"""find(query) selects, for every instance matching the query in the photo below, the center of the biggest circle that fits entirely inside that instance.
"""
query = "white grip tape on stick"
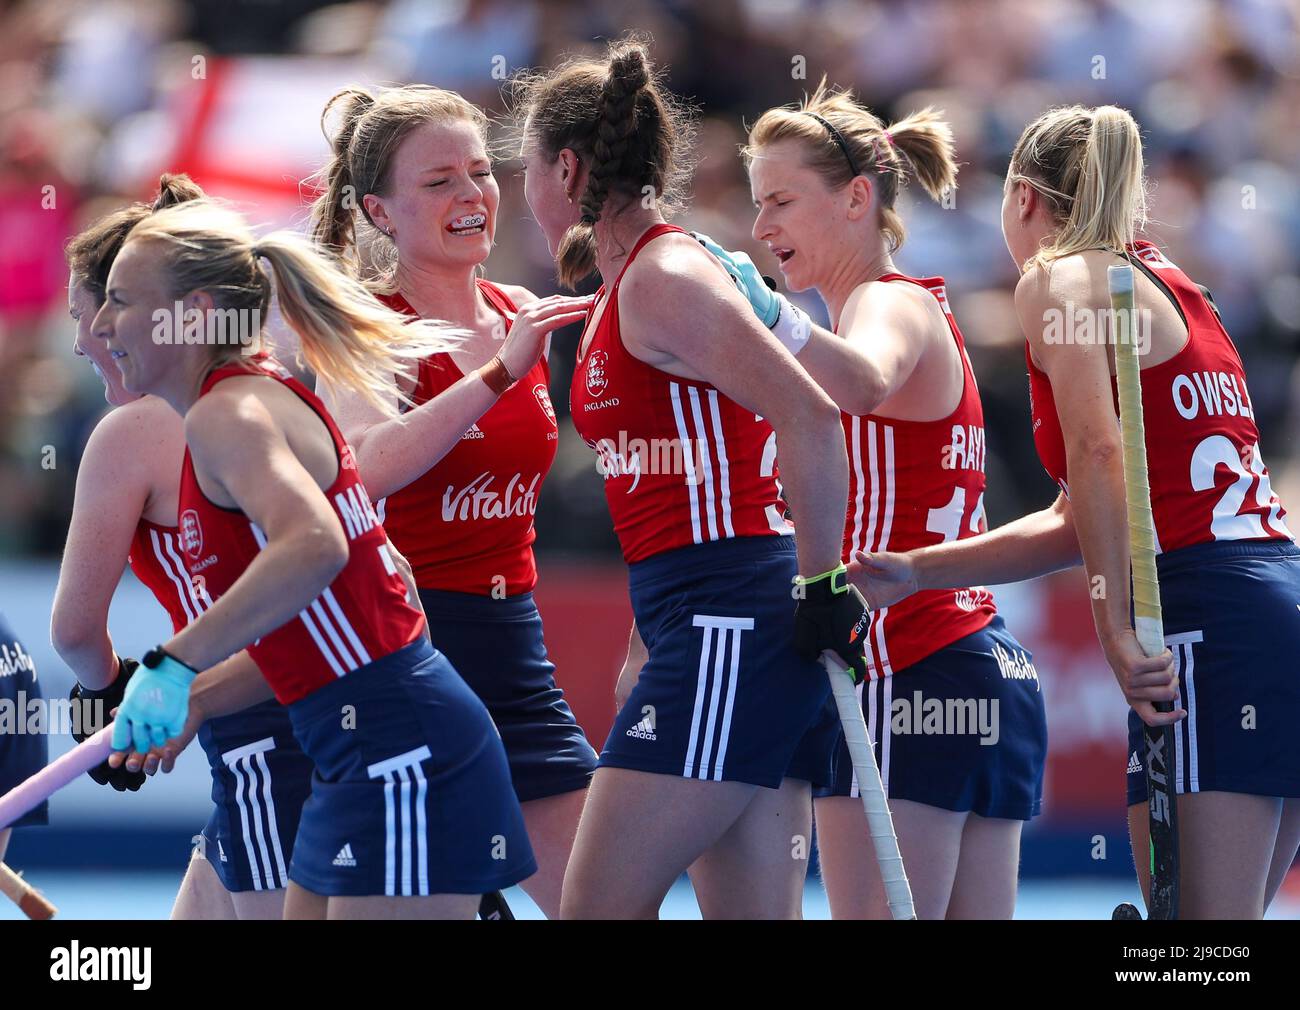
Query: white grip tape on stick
(880, 825)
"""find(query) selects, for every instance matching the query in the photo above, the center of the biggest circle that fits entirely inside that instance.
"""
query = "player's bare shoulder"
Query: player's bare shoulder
(517, 293)
(139, 430)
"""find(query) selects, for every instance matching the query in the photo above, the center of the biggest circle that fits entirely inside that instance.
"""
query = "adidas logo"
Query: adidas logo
(221, 851)
(1134, 765)
(474, 432)
(644, 730)
(345, 857)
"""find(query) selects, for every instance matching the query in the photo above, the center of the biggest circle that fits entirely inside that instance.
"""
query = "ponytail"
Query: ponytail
(348, 338)
(90, 253)
(615, 127)
(333, 212)
(1087, 163)
(631, 132)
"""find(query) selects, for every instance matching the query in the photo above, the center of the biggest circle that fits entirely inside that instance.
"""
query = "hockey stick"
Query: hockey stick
(34, 905)
(880, 824)
(1147, 623)
(494, 906)
(54, 776)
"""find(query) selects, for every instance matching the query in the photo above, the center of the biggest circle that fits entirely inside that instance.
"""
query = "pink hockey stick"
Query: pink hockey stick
(54, 776)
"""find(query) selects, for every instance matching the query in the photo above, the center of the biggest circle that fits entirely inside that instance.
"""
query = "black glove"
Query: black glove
(111, 696)
(831, 616)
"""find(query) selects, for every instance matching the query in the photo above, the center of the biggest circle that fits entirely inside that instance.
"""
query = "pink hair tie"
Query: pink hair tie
(889, 137)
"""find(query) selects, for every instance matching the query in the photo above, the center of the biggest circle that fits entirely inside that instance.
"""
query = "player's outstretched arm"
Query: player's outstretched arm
(1024, 548)
(392, 452)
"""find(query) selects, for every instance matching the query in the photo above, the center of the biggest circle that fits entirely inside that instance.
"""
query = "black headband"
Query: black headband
(839, 140)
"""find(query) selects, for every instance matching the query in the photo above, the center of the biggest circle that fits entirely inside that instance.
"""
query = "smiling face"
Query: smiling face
(83, 307)
(138, 296)
(802, 220)
(442, 199)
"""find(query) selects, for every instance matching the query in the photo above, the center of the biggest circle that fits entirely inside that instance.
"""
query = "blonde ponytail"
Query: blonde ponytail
(348, 338)
(1088, 165)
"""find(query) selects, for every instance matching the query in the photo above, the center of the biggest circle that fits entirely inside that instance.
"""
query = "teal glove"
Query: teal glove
(765, 302)
(155, 705)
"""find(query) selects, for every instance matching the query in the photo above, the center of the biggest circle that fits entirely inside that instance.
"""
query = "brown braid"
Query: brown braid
(629, 131)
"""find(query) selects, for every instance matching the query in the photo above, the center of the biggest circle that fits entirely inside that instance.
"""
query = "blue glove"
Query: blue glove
(765, 302)
(156, 703)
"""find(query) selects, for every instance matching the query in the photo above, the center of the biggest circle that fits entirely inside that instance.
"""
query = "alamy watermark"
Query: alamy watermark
(1084, 325)
(222, 327)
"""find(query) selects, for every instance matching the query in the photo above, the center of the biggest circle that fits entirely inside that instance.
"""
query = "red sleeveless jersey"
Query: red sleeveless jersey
(914, 484)
(466, 524)
(682, 463)
(158, 560)
(1208, 480)
(360, 617)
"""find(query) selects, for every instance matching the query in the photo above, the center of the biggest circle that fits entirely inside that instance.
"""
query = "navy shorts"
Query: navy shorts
(411, 794)
(260, 780)
(723, 695)
(496, 645)
(22, 754)
(1232, 620)
(963, 729)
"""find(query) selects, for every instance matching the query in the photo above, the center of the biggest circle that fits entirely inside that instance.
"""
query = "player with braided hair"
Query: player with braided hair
(710, 757)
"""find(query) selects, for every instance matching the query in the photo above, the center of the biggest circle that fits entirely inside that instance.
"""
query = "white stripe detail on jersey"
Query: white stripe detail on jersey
(888, 474)
(724, 468)
(381, 509)
(729, 634)
(1184, 670)
(875, 487)
(340, 668)
(403, 767)
(342, 650)
(179, 581)
(688, 459)
(855, 454)
(345, 625)
(197, 603)
(706, 461)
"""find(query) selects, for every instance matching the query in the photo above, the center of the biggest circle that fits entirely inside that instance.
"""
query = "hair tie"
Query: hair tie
(839, 141)
(889, 137)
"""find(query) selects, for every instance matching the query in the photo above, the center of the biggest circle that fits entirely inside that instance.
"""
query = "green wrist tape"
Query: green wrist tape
(836, 587)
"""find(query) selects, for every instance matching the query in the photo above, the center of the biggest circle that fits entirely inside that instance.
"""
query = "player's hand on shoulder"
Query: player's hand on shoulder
(533, 323)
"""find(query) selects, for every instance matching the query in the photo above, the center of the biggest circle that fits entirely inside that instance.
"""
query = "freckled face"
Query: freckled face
(442, 203)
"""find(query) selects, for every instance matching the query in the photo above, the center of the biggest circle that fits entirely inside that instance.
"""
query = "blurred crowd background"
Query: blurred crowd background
(96, 98)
